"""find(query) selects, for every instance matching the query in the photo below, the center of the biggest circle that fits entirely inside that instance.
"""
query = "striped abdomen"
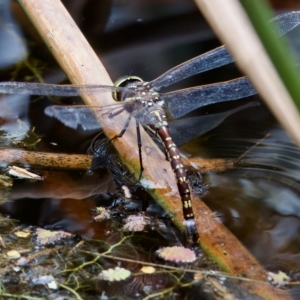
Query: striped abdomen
(162, 129)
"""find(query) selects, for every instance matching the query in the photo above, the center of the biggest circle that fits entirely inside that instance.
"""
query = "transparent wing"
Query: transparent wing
(73, 116)
(286, 22)
(68, 90)
(219, 56)
(181, 102)
(183, 131)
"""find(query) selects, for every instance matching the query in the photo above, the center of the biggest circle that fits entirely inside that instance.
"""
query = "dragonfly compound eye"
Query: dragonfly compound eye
(124, 81)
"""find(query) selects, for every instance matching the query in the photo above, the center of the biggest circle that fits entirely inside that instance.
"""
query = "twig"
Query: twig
(64, 161)
(57, 161)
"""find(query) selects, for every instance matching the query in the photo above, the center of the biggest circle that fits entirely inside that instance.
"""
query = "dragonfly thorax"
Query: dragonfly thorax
(143, 92)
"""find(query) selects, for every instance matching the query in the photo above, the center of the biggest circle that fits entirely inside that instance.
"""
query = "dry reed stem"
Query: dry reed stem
(231, 24)
(82, 66)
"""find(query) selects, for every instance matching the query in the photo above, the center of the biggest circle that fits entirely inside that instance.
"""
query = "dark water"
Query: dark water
(259, 201)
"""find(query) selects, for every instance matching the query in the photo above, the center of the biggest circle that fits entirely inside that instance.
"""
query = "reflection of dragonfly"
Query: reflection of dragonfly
(143, 103)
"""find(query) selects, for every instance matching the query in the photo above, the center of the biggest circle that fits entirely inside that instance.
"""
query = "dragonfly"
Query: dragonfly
(146, 105)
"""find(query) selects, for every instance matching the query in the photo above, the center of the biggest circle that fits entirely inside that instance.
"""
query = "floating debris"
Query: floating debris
(23, 261)
(279, 279)
(148, 269)
(5, 188)
(46, 279)
(177, 254)
(5, 181)
(45, 237)
(116, 274)
(100, 214)
(22, 233)
(126, 190)
(198, 276)
(23, 174)
(2, 242)
(53, 285)
(13, 254)
(16, 269)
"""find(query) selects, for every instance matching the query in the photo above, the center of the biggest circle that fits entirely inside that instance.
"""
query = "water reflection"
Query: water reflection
(62, 201)
(13, 48)
(260, 201)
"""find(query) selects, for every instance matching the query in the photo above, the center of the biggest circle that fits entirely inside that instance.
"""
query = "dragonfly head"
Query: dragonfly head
(125, 81)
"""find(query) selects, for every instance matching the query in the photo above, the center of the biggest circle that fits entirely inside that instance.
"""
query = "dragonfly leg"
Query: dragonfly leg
(123, 130)
(112, 114)
(93, 146)
(139, 141)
